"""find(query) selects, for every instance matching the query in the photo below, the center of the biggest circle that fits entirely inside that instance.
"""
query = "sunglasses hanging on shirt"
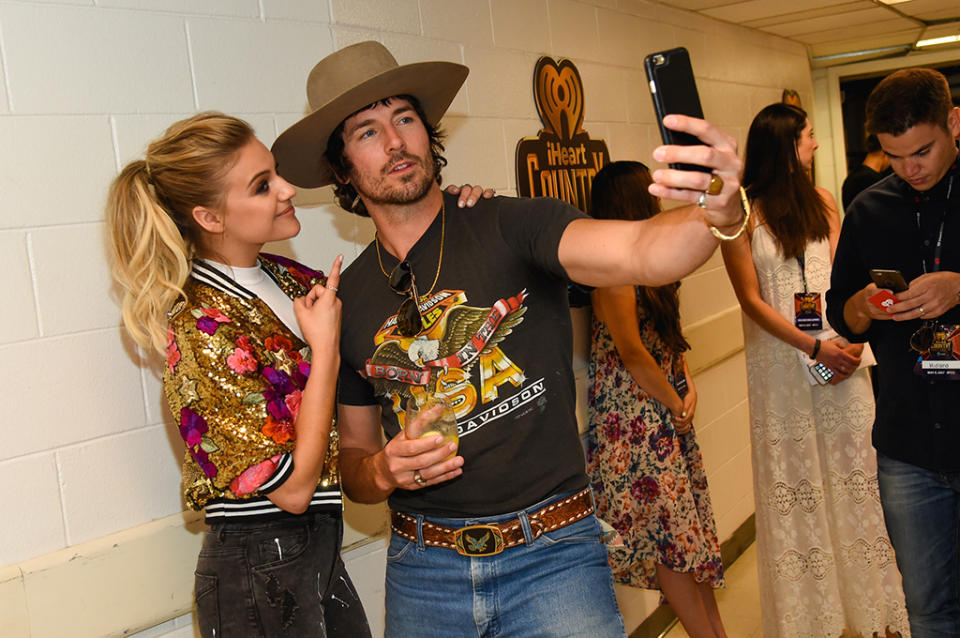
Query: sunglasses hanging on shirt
(402, 282)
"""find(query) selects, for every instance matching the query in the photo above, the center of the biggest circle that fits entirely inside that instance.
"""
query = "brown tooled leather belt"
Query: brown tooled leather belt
(490, 539)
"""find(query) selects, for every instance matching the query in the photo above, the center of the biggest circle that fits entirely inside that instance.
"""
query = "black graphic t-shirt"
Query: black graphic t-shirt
(496, 342)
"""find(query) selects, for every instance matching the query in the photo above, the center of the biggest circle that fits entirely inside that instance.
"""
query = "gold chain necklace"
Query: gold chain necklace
(443, 226)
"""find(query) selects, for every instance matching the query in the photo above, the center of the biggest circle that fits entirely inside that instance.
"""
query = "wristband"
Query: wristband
(816, 349)
(745, 205)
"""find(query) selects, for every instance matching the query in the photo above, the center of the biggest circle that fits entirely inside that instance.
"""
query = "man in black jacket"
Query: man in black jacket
(910, 221)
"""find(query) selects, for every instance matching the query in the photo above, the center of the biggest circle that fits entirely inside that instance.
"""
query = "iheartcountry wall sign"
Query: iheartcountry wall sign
(562, 160)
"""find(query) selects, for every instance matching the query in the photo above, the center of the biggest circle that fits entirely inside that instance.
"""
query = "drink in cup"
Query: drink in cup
(445, 425)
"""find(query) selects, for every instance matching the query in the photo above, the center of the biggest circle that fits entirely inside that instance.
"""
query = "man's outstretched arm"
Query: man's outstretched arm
(672, 244)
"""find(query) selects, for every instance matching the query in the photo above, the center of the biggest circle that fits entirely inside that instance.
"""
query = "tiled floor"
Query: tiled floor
(740, 602)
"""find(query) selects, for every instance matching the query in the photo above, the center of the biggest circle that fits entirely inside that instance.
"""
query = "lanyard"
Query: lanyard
(802, 262)
(939, 245)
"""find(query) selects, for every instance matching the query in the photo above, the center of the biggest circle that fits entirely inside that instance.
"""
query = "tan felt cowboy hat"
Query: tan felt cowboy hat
(346, 81)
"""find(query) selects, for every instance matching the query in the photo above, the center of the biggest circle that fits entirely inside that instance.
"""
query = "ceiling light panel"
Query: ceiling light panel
(741, 12)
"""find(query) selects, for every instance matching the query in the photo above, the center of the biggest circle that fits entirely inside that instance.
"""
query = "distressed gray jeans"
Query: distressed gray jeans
(279, 578)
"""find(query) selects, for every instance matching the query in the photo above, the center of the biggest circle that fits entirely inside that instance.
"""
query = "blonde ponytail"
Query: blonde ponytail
(153, 236)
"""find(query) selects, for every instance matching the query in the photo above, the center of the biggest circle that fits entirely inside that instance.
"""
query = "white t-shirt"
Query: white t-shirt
(262, 285)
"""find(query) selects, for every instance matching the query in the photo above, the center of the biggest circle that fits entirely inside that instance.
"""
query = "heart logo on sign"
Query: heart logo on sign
(558, 92)
(562, 159)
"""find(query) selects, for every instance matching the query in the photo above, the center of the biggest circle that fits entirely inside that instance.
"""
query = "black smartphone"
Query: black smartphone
(674, 90)
(890, 279)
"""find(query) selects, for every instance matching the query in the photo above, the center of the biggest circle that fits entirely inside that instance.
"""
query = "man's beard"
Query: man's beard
(412, 188)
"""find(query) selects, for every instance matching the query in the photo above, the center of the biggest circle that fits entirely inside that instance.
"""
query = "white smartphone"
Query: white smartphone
(821, 373)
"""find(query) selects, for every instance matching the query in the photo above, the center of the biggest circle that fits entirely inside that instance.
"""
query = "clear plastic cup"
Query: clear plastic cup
(445, 425)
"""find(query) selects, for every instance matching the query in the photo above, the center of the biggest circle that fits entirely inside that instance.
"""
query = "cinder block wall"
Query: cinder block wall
(88, 458)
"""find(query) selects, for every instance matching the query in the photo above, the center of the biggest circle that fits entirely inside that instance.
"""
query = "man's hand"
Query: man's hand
(469, 194)
(855, 350)
(928, 296)
(859, 312)
(719, 153)
(402, 459)
(835, 357)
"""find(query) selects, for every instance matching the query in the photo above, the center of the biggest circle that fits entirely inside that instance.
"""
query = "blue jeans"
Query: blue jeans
(559, 585)
(279, 578)
(922, 513)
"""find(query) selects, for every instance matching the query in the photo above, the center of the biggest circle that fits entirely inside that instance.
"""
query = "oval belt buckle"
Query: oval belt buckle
(479, 540)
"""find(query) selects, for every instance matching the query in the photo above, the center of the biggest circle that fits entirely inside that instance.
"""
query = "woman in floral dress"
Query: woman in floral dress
(642, 456)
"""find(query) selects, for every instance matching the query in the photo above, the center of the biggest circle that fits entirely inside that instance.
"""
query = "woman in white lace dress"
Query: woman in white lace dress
(826, 564)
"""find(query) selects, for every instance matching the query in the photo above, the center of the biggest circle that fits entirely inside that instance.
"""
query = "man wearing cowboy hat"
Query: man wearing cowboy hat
(498, 534)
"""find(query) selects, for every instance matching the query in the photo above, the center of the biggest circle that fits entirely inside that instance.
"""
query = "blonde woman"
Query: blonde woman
(250, 342)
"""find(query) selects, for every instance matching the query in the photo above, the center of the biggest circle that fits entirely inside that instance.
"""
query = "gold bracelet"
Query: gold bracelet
(745, 204)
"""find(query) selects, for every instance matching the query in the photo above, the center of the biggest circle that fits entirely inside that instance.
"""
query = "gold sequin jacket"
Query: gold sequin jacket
(233, 378)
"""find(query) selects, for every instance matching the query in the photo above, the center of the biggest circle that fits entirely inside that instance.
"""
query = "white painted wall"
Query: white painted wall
(87, 455)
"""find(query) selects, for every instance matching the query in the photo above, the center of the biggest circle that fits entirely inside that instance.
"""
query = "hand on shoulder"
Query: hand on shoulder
(470, 194)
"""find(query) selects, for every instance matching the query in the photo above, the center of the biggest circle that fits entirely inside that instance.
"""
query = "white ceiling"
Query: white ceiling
(833, 29)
